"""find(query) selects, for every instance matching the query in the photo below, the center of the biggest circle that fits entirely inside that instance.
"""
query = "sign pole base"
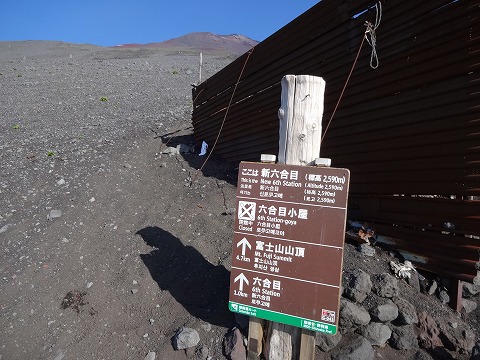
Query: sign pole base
(255, 338)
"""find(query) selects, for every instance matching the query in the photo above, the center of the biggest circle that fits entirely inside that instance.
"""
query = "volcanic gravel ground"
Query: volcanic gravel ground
(80, 131)
(106, 247)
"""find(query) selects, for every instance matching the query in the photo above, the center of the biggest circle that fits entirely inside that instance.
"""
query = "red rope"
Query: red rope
(343, 90)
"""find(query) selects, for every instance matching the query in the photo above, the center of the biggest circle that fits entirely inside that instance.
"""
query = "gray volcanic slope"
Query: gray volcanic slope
(50, 101)
(81, 183)
(107, 248)
(206, 41)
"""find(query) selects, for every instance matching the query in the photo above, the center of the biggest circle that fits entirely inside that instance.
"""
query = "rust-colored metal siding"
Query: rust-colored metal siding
(409, 127)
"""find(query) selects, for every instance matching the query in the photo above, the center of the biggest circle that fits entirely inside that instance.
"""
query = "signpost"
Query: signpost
(288, 244)
(303, 287)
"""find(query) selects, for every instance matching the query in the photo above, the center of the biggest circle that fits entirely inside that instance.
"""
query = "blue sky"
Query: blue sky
(113, 22)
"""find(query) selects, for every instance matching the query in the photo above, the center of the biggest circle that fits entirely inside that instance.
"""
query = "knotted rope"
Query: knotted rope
(371, 37)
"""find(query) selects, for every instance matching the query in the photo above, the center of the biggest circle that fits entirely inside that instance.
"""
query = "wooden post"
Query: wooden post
(200, 69)
(307, 345)
(300, 117)
(256, 325)
(456, 288)
(255, 338)
(282, 341)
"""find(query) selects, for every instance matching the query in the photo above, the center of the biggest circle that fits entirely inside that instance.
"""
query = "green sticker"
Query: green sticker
(283, 318)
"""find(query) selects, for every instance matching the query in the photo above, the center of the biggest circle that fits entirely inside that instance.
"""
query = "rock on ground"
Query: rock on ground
(469, 305)
(357, 348)
(150, 356)
(428, 336)
(352, 316)
(458, 338)
(403, 337)
(407, 313)
(185, 338)
(476, 352)
(327, 342)
(469, 289)
(385, 312)
(358, 285)
(385, 285)
(366, 250)
(233, 345)
(378, 334)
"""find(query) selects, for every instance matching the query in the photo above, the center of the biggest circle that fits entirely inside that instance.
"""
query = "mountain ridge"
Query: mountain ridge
(203, 42)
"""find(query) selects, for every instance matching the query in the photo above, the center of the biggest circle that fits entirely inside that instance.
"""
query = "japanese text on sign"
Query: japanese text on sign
(288, 240)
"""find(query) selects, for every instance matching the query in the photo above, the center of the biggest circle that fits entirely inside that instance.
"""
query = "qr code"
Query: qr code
(328, 315)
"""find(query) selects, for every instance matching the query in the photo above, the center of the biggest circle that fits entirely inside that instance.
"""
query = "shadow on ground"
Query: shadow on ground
(200, 287)
(214, 167)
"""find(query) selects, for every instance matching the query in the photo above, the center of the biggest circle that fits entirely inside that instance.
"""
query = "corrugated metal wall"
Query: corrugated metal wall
(409, 127)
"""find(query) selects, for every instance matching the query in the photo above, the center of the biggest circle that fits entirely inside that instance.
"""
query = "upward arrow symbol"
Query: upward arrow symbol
(244, 244)
(242, 279)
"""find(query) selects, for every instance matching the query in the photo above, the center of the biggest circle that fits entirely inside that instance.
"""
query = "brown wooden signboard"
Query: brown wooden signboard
(288, 244)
